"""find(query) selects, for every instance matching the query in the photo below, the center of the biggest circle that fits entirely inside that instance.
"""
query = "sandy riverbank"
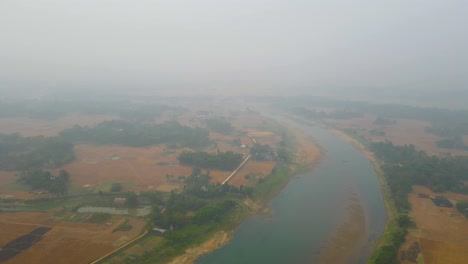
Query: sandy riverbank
(192, 254)
(350, 236)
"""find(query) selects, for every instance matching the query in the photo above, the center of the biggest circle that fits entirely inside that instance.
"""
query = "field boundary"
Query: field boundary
(129, 243)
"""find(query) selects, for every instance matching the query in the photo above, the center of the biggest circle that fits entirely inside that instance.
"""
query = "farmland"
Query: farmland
(442, 233)
(66, 242)
(74, 237)
(404, 131)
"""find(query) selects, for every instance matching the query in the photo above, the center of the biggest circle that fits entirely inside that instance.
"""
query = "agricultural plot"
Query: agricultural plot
(64, 242)
(77, 238)
(442, 232)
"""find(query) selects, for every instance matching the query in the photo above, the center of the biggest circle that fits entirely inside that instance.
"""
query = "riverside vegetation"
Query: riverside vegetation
(203, 208)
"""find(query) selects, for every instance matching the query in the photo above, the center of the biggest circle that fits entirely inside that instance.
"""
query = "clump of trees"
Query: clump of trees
(116, 187)
(383, 121)
(263, 153)
(462, 207)
(194, 205)
(19, 153)
(220, 125)
(44, 180)
(132, 199)
(137, 134)
(404, 166)
(222, 160)
(455, 142)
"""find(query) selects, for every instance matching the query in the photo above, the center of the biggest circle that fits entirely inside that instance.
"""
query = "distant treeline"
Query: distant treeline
(220, 125)
(404, 167)
(455, 142)
(137, 134)
(221, 161)
(20, 153)
(55, 109)
(444, 122)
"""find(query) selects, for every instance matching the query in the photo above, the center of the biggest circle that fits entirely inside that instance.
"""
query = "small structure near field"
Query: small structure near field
(442, 202)
(120, 201)
(159, 230)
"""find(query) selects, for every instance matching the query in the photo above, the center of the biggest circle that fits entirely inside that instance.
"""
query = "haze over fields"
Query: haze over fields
(237, 47)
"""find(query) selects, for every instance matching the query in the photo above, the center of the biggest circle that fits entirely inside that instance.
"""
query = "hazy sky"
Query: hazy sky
(233, 47)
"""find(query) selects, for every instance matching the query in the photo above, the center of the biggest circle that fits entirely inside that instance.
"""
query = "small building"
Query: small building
(120, 201)
(158, 230)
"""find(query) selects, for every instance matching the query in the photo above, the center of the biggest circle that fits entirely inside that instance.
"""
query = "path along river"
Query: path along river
(312, 214)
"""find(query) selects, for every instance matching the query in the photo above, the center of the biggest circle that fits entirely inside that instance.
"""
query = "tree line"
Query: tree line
(404, 166)
(20, 153)
(138, 134)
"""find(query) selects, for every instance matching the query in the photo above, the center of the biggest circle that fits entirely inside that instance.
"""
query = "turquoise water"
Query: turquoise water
(309, 209)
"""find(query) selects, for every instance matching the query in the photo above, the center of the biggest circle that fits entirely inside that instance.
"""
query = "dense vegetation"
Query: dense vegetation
(222, 160)
(455, 142)
(220, 125)
(263, 153)
(44, 180)
(404, 167)
(137, 134)
(397, 230)
(192, 215)
(383, 121)
(51, 110)
(19, 153)
(462, 207)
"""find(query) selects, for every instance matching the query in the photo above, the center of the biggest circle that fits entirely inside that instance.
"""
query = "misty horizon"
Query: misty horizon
(233, 48)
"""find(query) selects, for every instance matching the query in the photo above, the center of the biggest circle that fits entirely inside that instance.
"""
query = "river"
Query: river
(309, 211)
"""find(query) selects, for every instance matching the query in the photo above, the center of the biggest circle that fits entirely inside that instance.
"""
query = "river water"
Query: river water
(310, 209)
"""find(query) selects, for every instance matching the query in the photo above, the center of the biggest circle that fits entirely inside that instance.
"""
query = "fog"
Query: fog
(237, 47)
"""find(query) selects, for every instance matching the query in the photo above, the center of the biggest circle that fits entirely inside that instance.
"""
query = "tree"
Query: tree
(132, 199)
(116, 187)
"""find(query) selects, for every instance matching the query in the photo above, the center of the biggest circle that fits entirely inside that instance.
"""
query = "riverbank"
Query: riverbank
(307, 154)
(192, 254)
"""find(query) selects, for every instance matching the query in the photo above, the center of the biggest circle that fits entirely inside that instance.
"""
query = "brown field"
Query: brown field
(95, 168)
(10, 189)
(259, 168)
(405, 131)
(66, 242)
(139, 168)
(441, 232)
(41, 127)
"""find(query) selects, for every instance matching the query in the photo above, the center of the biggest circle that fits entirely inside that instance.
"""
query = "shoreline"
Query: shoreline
(307, 150)
(222, 237)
